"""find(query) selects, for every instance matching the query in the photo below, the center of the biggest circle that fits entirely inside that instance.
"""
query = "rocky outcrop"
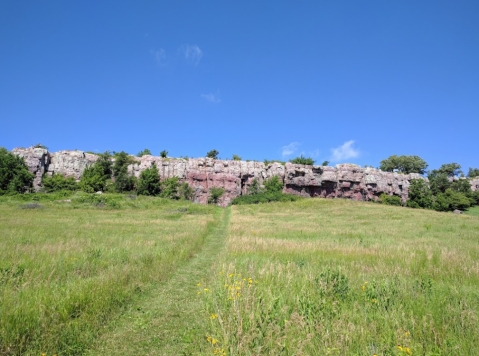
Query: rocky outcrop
(346, 181)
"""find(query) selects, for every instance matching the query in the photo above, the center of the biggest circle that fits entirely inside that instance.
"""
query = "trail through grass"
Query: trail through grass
(169, 320)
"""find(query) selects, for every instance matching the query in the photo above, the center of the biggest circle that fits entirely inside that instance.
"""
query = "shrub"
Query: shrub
(439, 182)
(149, 182)
(59, 182)
(473, 172)
(404, 164)
(255, 187)
(273, 185)
(215, 194)
(145, 152)
(264, 197)
(14, 174)
(95, 176)
(236, 158)
(420, 195)
(185, 191)
(308, 161)
(390, 200)
(163, 154)
(325, 163)
(266, 162)
(169, 188)
(462, 186)
(451, 200)
(213, 154)
(123, 182)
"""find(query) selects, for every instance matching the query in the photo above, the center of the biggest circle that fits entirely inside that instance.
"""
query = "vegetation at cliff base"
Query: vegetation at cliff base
(14, 174)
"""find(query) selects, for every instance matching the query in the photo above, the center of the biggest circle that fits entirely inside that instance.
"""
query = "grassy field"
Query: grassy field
(145, 276)
(335, 277)
(66, 269)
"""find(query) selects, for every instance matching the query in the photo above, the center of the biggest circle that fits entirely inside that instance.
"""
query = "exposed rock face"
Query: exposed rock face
(347, 181)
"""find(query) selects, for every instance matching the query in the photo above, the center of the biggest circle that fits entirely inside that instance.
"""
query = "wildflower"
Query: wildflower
(206, 289)
(400, 348)
(255, 282)
(209, 338)
(226, 286)
(231, 275)
(214, 341)
(407, 350)
(198, 284)
(199, 292)
(364, 288)
(407, 334)
(213, 316)
(374, 301)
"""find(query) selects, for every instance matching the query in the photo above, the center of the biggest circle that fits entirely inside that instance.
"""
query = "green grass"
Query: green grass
(474, 211)
(112, 274)
(335, 277)
(67, 269)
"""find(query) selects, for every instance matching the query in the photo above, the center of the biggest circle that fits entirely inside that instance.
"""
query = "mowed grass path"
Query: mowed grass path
(169, 320)
(336, 277)
(67, 270)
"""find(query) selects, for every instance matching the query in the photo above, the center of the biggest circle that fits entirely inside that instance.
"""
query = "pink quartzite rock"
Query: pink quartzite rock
(347, 181)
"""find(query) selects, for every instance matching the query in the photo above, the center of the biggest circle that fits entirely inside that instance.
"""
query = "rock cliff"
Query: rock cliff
(347, 181)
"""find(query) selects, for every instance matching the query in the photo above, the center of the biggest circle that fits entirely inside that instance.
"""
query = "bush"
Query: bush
(390, 200)
(213, 154)
(185, 191)
(149, 182)
(163, 154)
(236, 158)
(273, 185)
(14, 174)
(255, 187)
(145, 152)
(451, 200)
(59, 182)
(266, 162)
(303, 160)
(420, 195)
(123, 182)
(215, 194)
(95, 176)
(325, 163)
(265, 197)
(169, 188)
(473, 172)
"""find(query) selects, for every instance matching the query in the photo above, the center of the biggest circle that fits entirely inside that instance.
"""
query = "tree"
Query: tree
(451, 200)
(473, 172)
(215, 195)
(213, 154)
(420, 195)
(303, 160)
(145, 152)
(169, 188)
(149, 182)
(450, 169)
(14, 174)
(123, 182)
(236, 158)
(404, 164)
(94, 177)
(325, 163)
(185, 191)
(163, 154)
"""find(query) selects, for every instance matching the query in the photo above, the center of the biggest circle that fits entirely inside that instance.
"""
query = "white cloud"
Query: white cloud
(193, 53)
(214, 98)
(345, 151)
(160, 56)
(288, 150)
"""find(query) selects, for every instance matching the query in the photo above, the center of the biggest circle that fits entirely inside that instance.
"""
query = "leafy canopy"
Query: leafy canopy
(145, 152)
(404, 164)
(308, 161)
(14, 174)
(213, 154)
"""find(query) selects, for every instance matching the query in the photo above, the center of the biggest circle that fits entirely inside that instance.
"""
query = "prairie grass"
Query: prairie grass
(336, 277)
(68, 268)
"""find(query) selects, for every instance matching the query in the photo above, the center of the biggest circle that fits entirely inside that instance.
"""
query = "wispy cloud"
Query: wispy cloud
(192, 53)
(345, 151)
(160, 56)
(214, 98)
(315, 153)
(288, 150)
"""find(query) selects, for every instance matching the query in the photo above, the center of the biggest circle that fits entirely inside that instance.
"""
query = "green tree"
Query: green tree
(149, 182)
(404, 164)
(145, 152)
(273, 184)
(420, 195)
(14, 174)
(95, 176)
(325, 163)
(303, 160)
(123, 182)
(439, 182)
(213, 154)
(59, 182)
(451, 200)
(473, 172)
(215, 194)
(169, 188)
(236, 158)
(163, 154)
(450, 169)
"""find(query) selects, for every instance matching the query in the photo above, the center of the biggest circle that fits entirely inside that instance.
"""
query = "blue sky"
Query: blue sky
(345, 81)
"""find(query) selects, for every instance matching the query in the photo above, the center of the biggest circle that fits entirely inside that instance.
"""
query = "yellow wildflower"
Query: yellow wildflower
(400, 347)
(407, 350)
(364, 288)
(213, 316)
(206, 289)
(198, 284)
